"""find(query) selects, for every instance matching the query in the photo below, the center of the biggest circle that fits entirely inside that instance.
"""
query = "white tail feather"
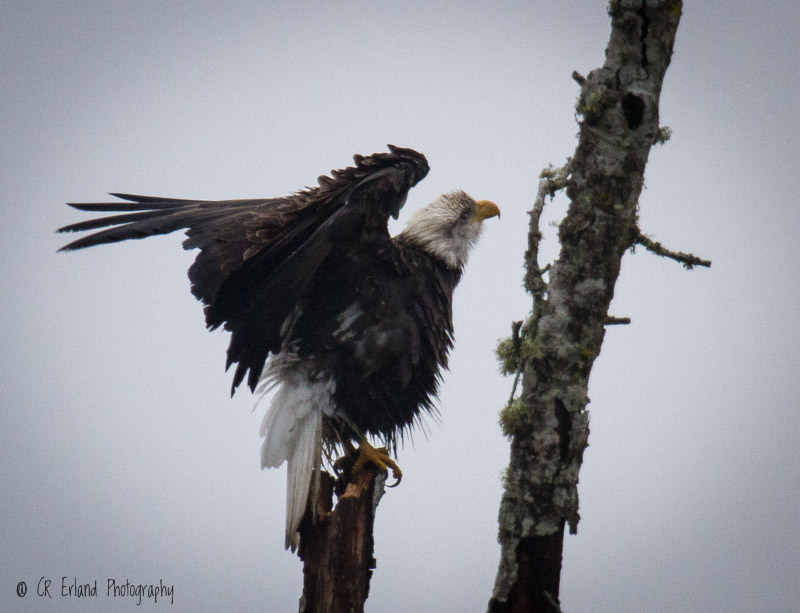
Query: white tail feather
(304, 461)
(292, 431)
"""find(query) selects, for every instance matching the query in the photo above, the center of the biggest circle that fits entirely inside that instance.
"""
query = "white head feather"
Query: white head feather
(449, 226)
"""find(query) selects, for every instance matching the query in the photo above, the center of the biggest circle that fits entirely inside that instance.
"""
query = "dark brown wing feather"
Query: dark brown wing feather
(257, 257)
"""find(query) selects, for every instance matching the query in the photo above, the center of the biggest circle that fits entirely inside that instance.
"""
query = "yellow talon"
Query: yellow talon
(377, 456)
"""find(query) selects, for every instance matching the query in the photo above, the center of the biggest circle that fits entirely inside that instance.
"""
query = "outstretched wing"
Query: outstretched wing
(258, 257)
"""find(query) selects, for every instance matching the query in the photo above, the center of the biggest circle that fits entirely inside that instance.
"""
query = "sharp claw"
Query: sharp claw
(378, 457)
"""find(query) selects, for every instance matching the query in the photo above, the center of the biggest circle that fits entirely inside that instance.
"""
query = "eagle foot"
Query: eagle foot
(355, 460)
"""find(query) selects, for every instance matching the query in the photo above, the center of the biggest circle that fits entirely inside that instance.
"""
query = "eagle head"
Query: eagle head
(449, 226)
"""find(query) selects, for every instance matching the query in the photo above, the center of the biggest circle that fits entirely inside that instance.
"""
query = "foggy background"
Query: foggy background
(123, 455)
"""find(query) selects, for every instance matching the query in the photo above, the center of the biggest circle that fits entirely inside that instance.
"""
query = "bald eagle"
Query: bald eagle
(350, 325)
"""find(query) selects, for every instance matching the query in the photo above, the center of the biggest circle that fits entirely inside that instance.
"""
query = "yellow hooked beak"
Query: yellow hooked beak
(485, 210)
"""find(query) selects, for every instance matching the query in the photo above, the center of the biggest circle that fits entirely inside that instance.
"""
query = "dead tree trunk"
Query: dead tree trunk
(555, 348)
(337, 548)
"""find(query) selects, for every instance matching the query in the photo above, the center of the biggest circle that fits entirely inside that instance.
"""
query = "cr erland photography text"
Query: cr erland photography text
(75, 588)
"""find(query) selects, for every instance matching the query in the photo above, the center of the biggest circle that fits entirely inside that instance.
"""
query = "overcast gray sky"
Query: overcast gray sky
(123, 456)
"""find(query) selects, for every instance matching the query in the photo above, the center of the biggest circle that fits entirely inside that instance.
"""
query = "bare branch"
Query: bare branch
(617, 321)
(688, 260)
(552, 180)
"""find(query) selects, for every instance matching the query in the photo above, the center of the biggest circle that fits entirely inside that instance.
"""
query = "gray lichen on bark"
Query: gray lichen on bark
(548, 424)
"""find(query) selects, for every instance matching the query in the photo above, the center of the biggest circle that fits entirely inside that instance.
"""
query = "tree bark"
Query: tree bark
(548, 424)
(337, 547)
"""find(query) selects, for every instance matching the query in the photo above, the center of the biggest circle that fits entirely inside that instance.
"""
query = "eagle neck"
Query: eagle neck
(443, 267)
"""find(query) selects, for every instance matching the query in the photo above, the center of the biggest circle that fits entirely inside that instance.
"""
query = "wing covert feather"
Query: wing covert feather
(257, 257)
